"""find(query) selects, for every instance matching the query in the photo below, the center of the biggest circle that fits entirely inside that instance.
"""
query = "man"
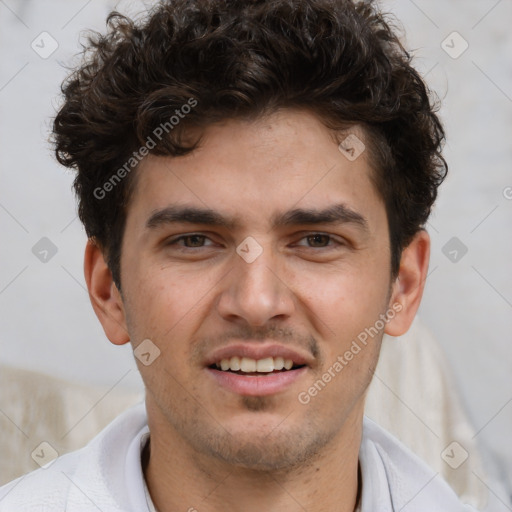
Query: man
(254, 178)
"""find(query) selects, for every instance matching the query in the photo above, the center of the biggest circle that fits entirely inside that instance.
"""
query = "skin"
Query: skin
(213, 449)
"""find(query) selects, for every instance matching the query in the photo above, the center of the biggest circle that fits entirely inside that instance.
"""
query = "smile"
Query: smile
(257, 368)
(247, 365)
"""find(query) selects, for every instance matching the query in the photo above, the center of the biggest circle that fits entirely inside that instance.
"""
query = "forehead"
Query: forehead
(255, 170)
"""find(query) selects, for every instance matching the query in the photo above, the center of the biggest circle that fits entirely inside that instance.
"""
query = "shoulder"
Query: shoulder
(44, 489)
(392, 471)
(84, 480)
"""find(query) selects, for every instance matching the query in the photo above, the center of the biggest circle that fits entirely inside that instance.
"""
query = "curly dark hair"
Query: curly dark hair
(339, 59)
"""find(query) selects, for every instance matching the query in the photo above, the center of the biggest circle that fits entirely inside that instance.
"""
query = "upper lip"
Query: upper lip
(258, 350)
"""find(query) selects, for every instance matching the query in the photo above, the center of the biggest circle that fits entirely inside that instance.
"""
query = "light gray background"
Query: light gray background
(47, 323)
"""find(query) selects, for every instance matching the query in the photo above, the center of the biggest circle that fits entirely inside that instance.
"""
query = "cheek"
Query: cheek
(157, 302)
(346, 314)
(345, 302)
(169, 307)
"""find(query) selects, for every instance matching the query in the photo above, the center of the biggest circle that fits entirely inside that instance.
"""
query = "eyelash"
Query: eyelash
(191, 235)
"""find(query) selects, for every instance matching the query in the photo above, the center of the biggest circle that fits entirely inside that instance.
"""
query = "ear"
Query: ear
(105, 297)
(407, 289)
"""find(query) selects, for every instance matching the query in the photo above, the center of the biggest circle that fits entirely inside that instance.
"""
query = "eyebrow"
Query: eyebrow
(335, 214)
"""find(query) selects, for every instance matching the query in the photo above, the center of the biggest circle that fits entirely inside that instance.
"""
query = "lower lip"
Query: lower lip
(250, 385)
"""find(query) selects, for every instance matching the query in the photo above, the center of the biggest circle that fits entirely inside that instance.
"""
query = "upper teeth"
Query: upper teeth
(246, 364)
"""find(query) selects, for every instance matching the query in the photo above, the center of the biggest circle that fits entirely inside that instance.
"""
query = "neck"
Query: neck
(180, 479)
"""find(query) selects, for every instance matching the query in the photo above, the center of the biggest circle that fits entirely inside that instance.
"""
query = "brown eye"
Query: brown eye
(318, 240)
(192, 241)
(195, 240)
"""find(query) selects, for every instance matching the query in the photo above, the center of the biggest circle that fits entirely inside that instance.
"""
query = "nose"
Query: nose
(255, 291)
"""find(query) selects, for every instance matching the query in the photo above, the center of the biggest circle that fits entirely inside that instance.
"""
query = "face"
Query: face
(265, 246)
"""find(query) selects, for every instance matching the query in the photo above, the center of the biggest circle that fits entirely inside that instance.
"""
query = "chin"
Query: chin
(267, 449)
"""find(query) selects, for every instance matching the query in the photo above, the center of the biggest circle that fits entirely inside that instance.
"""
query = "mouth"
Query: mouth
(251, 370)
(255, 367)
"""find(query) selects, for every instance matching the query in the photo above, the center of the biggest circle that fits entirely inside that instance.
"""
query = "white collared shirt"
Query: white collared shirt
(107, 475)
